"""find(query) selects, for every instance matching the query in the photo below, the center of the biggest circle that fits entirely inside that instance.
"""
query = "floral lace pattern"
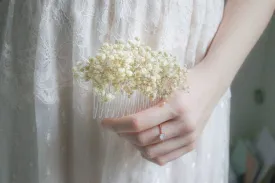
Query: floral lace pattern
(47, 132)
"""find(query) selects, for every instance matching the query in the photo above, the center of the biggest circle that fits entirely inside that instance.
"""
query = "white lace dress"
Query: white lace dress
(48, 133)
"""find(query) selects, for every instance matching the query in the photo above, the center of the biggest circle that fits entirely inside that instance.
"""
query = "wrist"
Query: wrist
(217, 80)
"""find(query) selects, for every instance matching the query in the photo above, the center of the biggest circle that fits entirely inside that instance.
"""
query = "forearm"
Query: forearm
(241, 27)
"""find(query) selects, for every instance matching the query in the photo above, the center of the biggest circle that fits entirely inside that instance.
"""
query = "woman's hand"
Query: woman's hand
(186, 114)
(182, 120)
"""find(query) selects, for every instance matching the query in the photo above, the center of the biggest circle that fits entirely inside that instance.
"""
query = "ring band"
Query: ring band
(161, 134)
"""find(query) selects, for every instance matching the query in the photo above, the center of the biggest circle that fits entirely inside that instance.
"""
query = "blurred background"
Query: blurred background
(257, 73)
(253, 114)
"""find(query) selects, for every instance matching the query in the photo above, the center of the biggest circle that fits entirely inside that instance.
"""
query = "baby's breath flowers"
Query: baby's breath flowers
(123, 68)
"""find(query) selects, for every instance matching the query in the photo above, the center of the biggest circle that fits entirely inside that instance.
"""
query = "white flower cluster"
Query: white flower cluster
(123, 68)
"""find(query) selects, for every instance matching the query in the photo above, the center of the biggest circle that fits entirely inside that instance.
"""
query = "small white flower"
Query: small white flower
(129, 60)
(111, 57)
(121, 70)
(155, 74)
(148, 88)
(123, 75)
(143, 70)
(110, 97)
(129, 73)
(149, 67)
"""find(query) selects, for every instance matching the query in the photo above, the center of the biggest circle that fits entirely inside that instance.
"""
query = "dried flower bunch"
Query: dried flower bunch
(123, 68)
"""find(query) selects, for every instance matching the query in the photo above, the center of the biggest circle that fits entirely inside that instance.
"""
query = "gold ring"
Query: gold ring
(161, 134)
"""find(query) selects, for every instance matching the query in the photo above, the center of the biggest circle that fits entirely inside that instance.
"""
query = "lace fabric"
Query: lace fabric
(48, 129)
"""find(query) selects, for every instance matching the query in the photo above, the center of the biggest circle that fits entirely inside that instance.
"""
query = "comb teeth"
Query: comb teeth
(120, 106)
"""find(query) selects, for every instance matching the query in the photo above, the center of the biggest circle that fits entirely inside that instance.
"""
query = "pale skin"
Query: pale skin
(184, 120)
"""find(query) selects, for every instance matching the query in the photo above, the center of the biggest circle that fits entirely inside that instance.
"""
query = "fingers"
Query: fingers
(162, 160)
(144, 138)
(140, 121)
(125, 124)
(163, 148)
(172, 128)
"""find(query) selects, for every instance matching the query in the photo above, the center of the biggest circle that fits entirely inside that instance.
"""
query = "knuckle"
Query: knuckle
(148, 152)
(159, 161)
(172, 113)
(191, 147)
(140, 140)
(190, 127)
(192, 138)
(135, 124)
(143, 156)
(172, 110)
(181, 110)
(181, 128)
